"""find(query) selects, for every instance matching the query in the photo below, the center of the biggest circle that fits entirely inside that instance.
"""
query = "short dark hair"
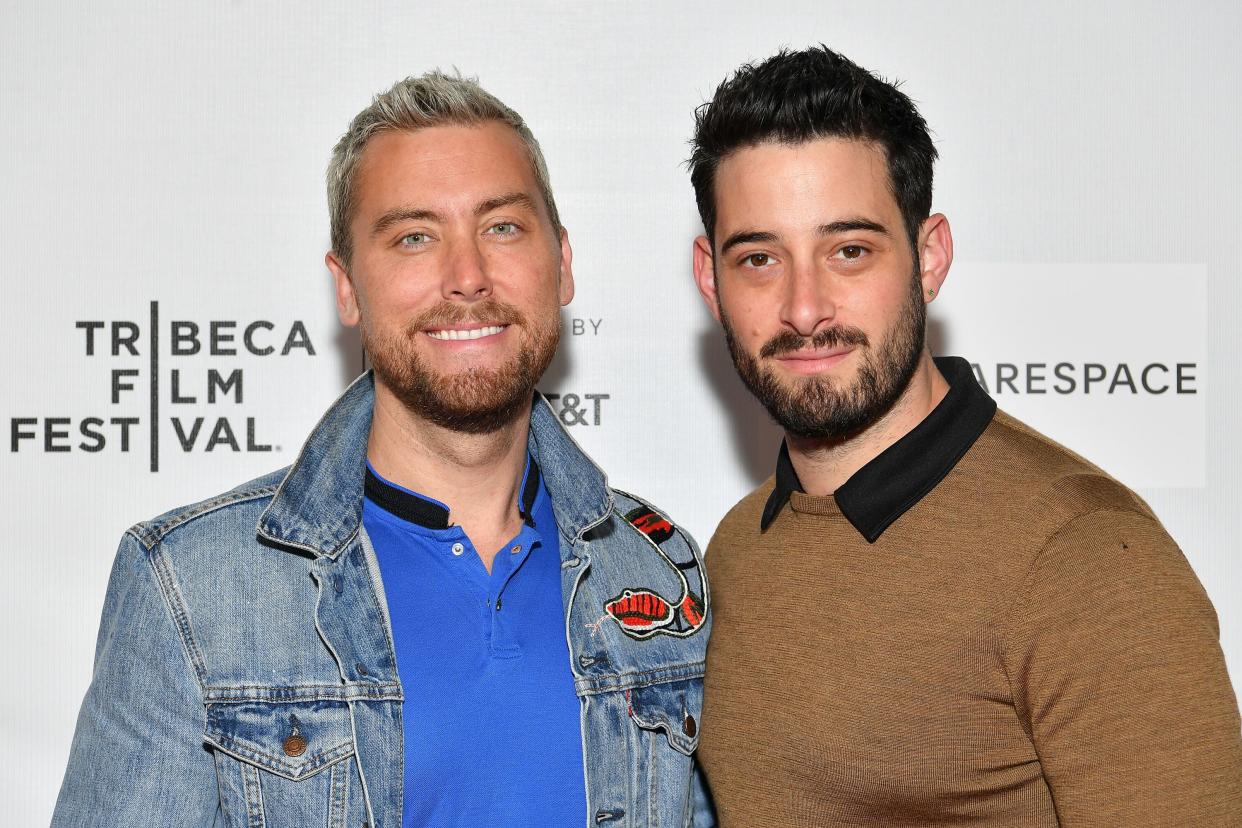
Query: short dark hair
(794, 97)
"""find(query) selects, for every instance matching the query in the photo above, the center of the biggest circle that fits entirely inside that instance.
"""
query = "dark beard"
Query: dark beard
(815, 407)
(470, 402)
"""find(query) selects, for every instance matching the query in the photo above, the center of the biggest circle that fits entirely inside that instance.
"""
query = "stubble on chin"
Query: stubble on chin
(825, 408)
(472, 400)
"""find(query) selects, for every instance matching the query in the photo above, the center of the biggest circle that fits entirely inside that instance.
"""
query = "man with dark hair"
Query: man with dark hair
(931, 614)
(440, 615)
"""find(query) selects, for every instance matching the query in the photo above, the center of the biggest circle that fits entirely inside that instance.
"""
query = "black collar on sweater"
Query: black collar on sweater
(903, 474)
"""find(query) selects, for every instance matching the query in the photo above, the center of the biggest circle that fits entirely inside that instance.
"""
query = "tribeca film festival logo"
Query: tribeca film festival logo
(218, 385)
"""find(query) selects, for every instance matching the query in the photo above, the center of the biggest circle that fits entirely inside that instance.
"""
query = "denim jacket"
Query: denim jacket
(245, 673)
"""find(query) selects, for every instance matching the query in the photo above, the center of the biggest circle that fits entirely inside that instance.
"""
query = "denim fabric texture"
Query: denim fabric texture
(245, 673)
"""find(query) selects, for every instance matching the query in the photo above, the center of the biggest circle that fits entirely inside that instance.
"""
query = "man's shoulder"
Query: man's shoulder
(1046, 476)
(241, 505)
(742, 521)
(647, 518)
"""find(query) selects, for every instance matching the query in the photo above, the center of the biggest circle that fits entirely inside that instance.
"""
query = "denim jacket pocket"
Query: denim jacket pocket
(285, 763)
(667, 718)
(674, 708)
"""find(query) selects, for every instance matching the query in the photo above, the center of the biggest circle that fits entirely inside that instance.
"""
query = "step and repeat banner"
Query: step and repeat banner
(170, 329)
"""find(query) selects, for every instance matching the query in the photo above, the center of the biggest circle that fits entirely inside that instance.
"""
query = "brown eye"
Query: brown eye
(756, 260)
(852, 251)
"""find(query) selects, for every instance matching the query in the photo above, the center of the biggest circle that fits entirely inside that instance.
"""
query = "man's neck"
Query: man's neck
(823, 466)
(476, 475)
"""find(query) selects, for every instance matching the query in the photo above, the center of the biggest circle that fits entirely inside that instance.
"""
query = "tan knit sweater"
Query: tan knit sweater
(1025, 646)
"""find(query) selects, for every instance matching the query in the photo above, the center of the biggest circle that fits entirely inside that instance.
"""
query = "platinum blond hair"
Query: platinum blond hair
(433, 99)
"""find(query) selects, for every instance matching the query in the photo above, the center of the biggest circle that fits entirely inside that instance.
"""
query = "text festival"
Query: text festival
(219, 338)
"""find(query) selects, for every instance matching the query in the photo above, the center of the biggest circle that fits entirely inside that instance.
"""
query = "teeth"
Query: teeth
(475, 333)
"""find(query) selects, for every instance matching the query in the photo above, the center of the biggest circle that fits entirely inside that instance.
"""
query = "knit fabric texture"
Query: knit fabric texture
(1025, 646)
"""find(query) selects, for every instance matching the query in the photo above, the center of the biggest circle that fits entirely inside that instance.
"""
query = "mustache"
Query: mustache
(787, 342)
(486, 311)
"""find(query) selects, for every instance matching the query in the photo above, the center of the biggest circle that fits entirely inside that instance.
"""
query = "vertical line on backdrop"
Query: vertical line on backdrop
(155, 386)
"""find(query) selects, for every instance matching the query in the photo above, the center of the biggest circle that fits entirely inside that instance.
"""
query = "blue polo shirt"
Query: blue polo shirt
(492, 725)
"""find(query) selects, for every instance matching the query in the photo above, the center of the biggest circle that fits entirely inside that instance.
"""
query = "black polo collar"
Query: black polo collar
(431, 513)
(903, 474)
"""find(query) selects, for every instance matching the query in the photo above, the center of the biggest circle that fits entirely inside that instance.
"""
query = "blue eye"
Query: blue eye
(411, 239)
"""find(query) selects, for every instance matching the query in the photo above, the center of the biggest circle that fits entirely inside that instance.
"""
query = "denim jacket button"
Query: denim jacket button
(690, 726)
(294, 746)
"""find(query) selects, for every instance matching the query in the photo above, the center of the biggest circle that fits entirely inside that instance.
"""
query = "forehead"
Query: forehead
(808, 183)
(442, 167)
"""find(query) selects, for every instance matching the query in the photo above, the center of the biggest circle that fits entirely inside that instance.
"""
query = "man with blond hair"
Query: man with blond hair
(440, 614)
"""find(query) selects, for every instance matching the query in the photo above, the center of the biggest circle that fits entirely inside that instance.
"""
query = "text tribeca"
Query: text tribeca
(186, 338)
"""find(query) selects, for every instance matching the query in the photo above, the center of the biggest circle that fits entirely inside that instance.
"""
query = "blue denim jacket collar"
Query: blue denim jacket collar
(578, 487)
(318, 507)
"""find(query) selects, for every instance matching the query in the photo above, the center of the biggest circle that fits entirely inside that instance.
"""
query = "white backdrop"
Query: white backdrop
(164, 164)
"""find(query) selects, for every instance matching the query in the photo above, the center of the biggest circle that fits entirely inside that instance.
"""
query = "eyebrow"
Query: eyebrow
(850, 225)
(399, 214)
(747, 237)
(843, 226)
(514, 199)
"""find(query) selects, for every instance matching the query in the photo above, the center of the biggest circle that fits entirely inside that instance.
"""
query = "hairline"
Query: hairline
(714, 167)
(351, 173)
(435, 98)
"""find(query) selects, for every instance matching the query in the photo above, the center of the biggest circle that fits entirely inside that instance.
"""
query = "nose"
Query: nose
(466, 275)
(808, 303)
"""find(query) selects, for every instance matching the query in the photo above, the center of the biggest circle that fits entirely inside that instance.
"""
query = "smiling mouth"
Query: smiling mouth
(462, 334)
(811, 355)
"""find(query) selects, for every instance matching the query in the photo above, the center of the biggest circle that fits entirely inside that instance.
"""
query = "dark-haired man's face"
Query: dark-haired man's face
(815, 283)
